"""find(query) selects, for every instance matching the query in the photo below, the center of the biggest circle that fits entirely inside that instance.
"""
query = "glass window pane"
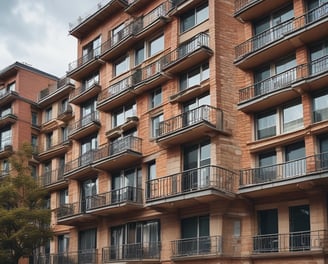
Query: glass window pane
(156, 45)
(292, 117)
(266, 125)
(188, 21)
(202, 14)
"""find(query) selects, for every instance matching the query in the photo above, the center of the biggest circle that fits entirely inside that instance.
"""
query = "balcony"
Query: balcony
(135, 5)
(145, 252)
(130, 122)
(84, 65)
(118, 153)
(290, 243)
(49, 125)
(85, 126)
(105, 9)
(284, 176)
(81, 166)
(73, 214)
(203, 184)
(251, 9)
(116, 201)
(197, 248)
(190, 125)
(53, 179)
(54, 148)
(82, 94)
(65, 114)
(180, 6)
(190, 92)
(149, 76)
(86, 256)
(6, 97)
(6, 148)
(7, 118)
(116, 95)
(188, 54)
(282, 38)
(53, 93)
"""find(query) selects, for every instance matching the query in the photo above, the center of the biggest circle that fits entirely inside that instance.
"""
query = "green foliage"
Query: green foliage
(24, 220)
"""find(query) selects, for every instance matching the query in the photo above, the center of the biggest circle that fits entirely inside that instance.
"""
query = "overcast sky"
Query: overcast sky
(36, 32)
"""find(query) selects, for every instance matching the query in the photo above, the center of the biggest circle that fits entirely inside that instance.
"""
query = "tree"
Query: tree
(24, 218)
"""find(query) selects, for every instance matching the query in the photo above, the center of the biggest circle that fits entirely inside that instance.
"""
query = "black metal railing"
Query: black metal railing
(68, 210)
(85, 59)
(204, 113)
(52, 144)
(127, 194)
(197, 246)
(60, 85)
(147, 72)
(207, 177)
(127, 143)
(289, 242)
(51, 177)
(290, 169)
(115, 89)
(82, 161)
(135, 251)
(279, 31)
(185, 49)
(85, 256)
(243, 4)
(83, 89)
(84, 121)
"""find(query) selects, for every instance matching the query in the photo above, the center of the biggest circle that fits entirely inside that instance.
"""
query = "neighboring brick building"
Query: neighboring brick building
(190, 131)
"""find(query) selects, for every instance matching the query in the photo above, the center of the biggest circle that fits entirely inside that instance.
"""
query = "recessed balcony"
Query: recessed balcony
(80, 167)
(7, 118)
(53, 93)
(204, 184)
(191, 125)
(7, 97)
(283, 38)
(118, 153)
(294, 243)
(116, 201)
(116, 95)
(54, 148)
(188, 54)
(6, 149)
(85, 126)
(149, 76)
(85, 65)
(146, 252)
(82, 94)
(251, 9)
(196, 248)
(284, 177)
(73, 214)
(53, 179)
(101, 12)
(87, 256)
(287, 85)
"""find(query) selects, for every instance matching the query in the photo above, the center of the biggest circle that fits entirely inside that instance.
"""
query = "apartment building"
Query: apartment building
(190, 131)
(19, 112)
(282, 83)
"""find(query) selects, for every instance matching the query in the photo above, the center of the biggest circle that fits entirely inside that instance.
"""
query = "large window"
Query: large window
(91, 50)
(136, 240)
(317, 9)
(88, 189)
(155, 121)
(320, 106)
(299, 227)
(87, 246)
(48, 114)
(192, 113)
(267, 170)
(5, 137)
(266, 124)
(319, 56)
(88, 112)
(292, 117)
(139, 55)
(120, 115)
(194, 17)
(156, 45)
(267, 239)
(194, 76)
(151, 175)
(121, 65)
(274, 76)
(156, 97)
(63, 244)
(295, 160)
(90, 81)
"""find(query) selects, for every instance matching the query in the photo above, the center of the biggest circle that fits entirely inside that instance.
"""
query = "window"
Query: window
(87, 245)
(63, 247)
(89, 112)
(122, 65)
(267, 239)
(317, 9)
(90, 81)
(88, 189)
(61, 166)
(194, 76)
(4, 166)
(34, 116)
(135, 240)
(319, 57)
(125, 184)
(156, 97)
(275, 76)
(63, 197)
(155, 121)
(156, 45)
(117, 34)
(34, 143)
(91, 50)
(290, 116)
(64, 133)
(5, 137)
(139, 55)
(194, 17)
(121, 114)
(151, 175)
(87, 145)
(322, 158)
(299, 228)
(195, 232)
(196, 110)
(5, 111)
(48, 114)
(49, 140)
(11, 87)
(34, 171)
(63, 105)
(196, 161)
(267, 170)
(295, 160)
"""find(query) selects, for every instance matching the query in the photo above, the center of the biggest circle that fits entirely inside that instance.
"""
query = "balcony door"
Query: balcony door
(196, 171)
(267, 238)
(267, 170)
(192, 113)
(195, 233)
(295, 160)
(317, 9)
(319, 56)
(88, 189)
(87, 145)
(87, 246)
(299, 227)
